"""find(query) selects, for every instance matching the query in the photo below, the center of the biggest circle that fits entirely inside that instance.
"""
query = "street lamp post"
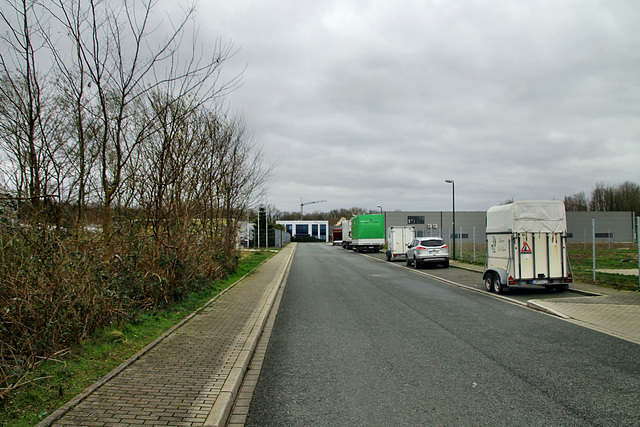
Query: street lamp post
(453, 197)
(380, 209)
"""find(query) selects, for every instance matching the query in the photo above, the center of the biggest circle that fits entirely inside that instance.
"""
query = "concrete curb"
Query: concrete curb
(540, 307)
(223, 405)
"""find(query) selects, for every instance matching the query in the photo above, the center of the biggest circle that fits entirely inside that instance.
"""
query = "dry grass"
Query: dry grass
(57, 291)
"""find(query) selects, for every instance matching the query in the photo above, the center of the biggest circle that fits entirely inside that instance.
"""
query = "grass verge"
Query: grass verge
(59, 379)
(606, 259)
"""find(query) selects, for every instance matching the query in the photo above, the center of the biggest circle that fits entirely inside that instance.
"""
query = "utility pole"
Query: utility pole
(307, 203)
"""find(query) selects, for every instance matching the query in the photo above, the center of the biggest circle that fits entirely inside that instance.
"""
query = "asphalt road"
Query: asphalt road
(361, 342)
(473, 279)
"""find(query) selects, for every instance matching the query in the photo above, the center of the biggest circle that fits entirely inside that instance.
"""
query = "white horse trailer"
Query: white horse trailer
(527, 246)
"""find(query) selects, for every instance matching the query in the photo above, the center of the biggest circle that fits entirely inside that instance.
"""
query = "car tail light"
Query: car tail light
(421, 248)
(444, 247)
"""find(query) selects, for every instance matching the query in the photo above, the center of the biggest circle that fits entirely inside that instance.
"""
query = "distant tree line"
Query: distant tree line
(622, 197)
(607, 198)
(326, 216)
(123, 178)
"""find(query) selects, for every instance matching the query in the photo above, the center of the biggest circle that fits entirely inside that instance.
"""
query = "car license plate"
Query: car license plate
(539, 282)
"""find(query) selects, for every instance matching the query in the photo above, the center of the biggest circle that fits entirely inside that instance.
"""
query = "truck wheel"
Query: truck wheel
(497, 285)
(488, 282)
(415, 263)
(388, 256)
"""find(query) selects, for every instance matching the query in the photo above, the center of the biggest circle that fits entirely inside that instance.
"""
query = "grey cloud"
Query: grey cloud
(377, 103)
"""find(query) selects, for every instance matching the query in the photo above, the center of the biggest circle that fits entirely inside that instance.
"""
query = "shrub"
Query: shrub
(57, 290)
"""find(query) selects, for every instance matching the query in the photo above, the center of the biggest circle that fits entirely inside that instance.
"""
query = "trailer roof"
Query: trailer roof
(545, 216)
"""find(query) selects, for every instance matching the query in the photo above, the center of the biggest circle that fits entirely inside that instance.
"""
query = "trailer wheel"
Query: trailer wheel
(497, 285)
(488, 282)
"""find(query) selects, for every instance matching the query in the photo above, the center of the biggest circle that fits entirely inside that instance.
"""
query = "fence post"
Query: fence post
(593, 239)
(474, 242)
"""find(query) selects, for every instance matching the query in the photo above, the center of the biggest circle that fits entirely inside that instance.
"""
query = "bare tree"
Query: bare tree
(234, 174)
(124, 59)
(81, 128)
(576, 202)
(624, 197)
(165, 167)
(245, 177)
(628, 197)
(23, 105)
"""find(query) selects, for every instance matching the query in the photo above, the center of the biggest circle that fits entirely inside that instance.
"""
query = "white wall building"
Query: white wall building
(318, 229)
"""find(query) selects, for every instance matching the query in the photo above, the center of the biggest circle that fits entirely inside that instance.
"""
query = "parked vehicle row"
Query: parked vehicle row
(526, 245)
(366, 233)
(403, 243)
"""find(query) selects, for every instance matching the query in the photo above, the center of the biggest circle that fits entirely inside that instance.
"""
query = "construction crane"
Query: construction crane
(307, 203)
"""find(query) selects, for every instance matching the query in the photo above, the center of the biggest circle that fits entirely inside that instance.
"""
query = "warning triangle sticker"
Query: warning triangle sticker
(525, 248)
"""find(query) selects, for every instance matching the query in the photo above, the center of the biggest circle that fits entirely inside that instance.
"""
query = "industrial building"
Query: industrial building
(610, 227)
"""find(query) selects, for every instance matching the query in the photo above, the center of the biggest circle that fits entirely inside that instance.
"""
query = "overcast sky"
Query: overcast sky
(366, 103)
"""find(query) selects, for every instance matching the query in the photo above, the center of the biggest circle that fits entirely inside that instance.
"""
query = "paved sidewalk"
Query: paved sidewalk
(606, 310)
(189, 376)
(613, 312)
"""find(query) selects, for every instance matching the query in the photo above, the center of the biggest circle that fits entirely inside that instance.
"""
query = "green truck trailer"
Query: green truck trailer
(367, 233)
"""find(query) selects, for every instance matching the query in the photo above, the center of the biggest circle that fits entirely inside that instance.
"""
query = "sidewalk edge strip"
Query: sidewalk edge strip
(224, 403)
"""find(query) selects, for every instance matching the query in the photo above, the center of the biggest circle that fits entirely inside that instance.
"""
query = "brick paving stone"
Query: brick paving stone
(177, 381)
(616, 312)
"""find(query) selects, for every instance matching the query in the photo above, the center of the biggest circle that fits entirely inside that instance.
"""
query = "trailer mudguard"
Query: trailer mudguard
(504, 276)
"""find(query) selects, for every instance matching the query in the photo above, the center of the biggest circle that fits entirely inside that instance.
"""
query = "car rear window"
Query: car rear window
(433, 242)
